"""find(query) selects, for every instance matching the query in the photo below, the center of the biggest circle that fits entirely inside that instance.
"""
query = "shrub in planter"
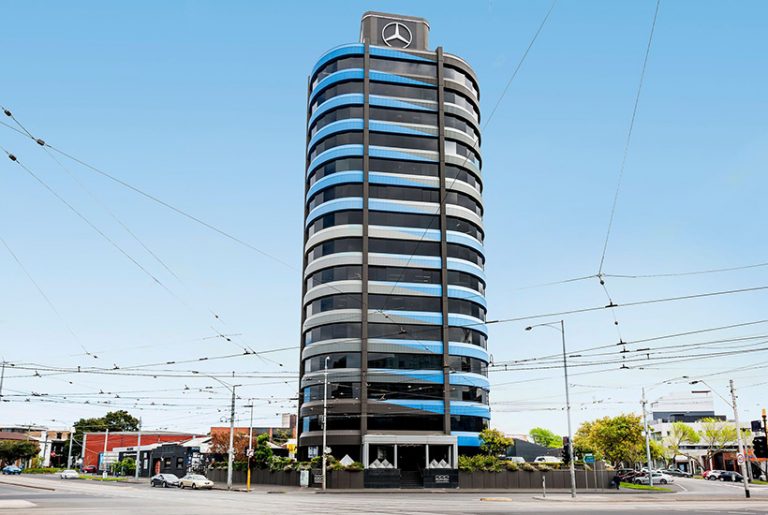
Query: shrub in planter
(543, 468)
(511, 466)
(278, 463)
(480, 463)
(356, 466)
(527, 467)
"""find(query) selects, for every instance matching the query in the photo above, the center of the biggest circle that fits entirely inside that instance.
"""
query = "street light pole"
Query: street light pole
(325, 416)
(572, 465)
(137, 471)
(230, 461)
(69, 452)
(250, 448)
(745, 479)
(647, 442)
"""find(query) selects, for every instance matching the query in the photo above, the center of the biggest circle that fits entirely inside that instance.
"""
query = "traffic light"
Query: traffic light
(565, 454)
(760, 446)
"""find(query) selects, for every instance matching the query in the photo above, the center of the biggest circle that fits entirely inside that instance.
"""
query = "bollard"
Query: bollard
(544, 485)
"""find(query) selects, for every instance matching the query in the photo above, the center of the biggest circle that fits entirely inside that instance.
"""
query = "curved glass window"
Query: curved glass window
(469, 393)
(336, 140)
(383, 139)
(460, 100)
(344, 63)
(404, 193)
(466, 335)
(460, 149)
(405, 331)
(463, 200)
(420, 422)
(354, 190)
(342, 88)
(461, 77)
(350, 330)
(465, 307)
(337, 360)
(342, 113)
(467, 364)
(465, 253)
(399, 390)
(467, 423)
(336, 422)
(403, 67)
(404, 167)
(401, 90)
(403, 303)
(334, 247)
(334, 219)
(339, 273)
(391, 219)
(459, 123)
(454, 172)
(456, 278)
(463, 226)
(338, 165)
(402, 116)
(332, 302)
(403, 275)
(335, 391)
(405, 361)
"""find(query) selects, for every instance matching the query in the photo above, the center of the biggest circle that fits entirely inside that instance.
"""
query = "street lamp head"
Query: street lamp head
(529, 328)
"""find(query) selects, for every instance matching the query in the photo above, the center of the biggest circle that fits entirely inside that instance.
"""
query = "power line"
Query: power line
(629, 137)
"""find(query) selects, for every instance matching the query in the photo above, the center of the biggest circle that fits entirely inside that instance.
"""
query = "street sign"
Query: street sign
(740, 459)
(589, 458)
(250, 453)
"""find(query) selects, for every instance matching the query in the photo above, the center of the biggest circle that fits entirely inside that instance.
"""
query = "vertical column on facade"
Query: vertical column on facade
(303, 316)
(443, 242)
(364, 268)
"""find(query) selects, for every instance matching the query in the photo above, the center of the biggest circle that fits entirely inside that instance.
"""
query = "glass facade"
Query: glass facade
(394, 287)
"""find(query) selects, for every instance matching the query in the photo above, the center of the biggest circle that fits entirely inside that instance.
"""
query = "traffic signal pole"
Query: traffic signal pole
(745, 477)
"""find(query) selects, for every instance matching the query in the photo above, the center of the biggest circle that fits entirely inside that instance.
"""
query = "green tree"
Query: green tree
(262, 453)
(546, 437)
(494, 442)
(12, 450)
(615, 439)
(119, 420)
(680, 435)
(716, 435)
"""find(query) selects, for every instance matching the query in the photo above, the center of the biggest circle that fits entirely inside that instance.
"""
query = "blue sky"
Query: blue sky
(203, 105)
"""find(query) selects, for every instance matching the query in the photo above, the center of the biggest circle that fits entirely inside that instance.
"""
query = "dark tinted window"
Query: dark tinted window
(404, 193)
(401, 116)
(461, 100)
(403, 303)
(335, 422)
(466, 335)
(405, 331)
(354, 190)
(405, 391)
(401, 90)
(405, 361)
(404, 422)
(342, 88)
(342, 113)
(334, 219)
(339, 273)
(465, 307)
(463, 226)
(332, 302)
(461, 124)
(467, 280)
(337, 360)
(466, 423)
(454, 172)
(335, 246)
(335, 391)
(380, 139)
(403, 67)
(332, 332)
(339, 64)
(404, 167)
(404, 275)
(390, 219)
(336, 140)
(460, 149)
(466, 364)
(337, 165)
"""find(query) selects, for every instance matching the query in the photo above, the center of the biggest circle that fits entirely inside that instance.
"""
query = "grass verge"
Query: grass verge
(632, 486)
(99, 478)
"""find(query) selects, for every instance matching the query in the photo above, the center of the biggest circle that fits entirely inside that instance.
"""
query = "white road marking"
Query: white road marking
(16, 504)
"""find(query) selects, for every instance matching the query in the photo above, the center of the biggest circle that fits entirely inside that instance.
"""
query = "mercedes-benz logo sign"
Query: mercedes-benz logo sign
(396, 35)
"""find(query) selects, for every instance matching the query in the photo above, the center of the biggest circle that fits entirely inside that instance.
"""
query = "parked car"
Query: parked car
(89, 469)
(11, 469)
(676, 472)
(730, 476)
(514, 459)
(547, 459)
(195, 481)
(659, 478)
(712, 475)
(164, 480)
(69, 474)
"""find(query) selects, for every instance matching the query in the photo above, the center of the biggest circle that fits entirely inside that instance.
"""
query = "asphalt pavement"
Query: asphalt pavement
(50, 495)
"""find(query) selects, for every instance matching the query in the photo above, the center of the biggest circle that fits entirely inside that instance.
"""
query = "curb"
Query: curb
(29, 486)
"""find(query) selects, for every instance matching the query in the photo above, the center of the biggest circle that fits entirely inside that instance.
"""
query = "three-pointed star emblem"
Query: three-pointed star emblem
(397, 35)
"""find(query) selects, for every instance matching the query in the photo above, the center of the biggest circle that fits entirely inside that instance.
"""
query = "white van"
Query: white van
(547, 459)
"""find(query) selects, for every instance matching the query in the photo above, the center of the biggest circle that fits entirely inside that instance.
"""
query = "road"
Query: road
(39, 495)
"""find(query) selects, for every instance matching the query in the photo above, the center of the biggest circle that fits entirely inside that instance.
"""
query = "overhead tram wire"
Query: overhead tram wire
(629, 138)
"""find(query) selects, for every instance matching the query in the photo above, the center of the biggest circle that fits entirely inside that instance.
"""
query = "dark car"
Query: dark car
(89, 469)
(734, 477)
(164, 480)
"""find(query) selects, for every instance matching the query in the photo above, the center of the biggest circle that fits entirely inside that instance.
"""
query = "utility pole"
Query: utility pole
(231, 440)
(745, 479)
(325, 416)
(647, 442)
(104, 454)
(137, 472)
(250, 448)
(69, 452)
(765, 433)
(2, 377)
(572, 465)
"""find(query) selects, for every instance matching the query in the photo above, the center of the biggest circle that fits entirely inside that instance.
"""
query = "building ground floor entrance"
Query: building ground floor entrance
(410, 461)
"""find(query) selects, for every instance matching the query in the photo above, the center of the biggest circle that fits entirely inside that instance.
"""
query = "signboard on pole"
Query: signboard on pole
(589, 458)
(740, 458)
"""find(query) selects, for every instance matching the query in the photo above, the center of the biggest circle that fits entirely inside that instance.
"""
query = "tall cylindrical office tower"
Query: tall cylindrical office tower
(393, 295)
